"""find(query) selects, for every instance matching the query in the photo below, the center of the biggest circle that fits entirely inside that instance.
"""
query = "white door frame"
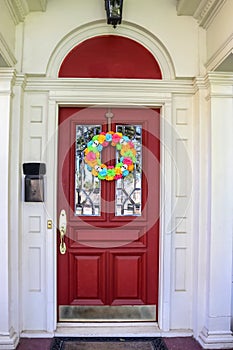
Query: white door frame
(166, 205)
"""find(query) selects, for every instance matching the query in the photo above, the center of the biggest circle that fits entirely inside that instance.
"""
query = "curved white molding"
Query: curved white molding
(126, 29)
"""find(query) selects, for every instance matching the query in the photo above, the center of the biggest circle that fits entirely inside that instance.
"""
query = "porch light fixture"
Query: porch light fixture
(114, 11)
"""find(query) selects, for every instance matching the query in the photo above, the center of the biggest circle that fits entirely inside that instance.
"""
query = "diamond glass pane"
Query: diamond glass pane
(128, 190)
(87, 186)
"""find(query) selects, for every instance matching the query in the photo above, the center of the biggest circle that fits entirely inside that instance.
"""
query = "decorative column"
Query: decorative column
(8, 337)
(216, 332)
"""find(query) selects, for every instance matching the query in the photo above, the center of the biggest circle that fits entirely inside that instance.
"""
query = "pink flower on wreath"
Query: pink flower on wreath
(91, 156)
(127, 161)
(116, 138)
(118, 176)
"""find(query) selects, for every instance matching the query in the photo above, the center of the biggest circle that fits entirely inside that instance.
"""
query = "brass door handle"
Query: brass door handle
(62, 230)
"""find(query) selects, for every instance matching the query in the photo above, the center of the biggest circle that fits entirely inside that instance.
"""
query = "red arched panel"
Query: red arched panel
(110, 56)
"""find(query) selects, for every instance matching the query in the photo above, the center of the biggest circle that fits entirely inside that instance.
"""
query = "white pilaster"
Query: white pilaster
(8, 337)
(216, 332)
(201, 203)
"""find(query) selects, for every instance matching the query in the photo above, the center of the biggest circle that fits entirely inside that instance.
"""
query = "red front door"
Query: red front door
(112, 227)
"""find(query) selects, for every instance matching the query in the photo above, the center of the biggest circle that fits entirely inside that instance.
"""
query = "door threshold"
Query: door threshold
(146, 329)
(106, 329)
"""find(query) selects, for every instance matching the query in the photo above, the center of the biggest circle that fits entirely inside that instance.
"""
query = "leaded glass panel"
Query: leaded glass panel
(87, 186)
(128, 189)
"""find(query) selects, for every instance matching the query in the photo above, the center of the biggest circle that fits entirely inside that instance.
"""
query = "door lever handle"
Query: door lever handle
(62, 230)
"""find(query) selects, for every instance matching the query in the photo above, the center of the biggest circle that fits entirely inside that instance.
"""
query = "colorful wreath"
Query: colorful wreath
(122, 144)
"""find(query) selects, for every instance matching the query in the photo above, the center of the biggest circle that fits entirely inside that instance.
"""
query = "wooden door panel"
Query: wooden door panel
(128, 283)
(112, 237)
(87, 278)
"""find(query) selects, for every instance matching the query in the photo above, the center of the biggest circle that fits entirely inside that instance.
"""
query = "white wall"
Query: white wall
(44, 31)
(194, 138)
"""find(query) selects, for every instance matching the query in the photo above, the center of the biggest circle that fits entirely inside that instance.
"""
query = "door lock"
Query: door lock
(62, 229)
(49, 224)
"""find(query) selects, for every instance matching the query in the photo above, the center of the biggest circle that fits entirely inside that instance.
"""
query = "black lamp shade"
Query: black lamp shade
(114, 11)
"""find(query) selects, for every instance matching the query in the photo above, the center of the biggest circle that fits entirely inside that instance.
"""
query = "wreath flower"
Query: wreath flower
(125, 147)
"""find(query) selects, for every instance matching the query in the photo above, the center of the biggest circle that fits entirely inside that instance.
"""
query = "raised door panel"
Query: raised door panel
(87, 278)
(127, 281)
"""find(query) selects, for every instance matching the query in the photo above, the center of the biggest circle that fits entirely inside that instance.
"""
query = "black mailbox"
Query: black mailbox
(34, 181)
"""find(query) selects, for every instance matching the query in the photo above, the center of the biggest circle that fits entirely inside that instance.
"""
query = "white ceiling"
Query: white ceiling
(226, 65)
(187, 7)
(37, 5)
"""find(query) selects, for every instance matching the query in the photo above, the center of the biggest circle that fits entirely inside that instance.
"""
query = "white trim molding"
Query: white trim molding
(207, 11)
(204, 11)
(19, 9)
